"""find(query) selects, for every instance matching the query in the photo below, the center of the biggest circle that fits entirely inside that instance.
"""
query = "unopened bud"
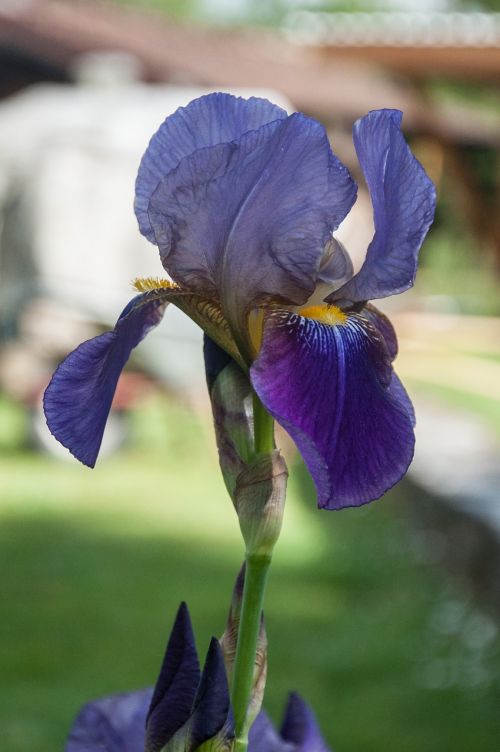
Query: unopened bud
(259, 498)
(231, 397)
(228, 644)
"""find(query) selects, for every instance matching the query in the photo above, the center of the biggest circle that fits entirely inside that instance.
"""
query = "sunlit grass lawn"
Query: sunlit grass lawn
(94, 564)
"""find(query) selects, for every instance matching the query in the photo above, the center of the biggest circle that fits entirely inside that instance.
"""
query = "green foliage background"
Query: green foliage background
(95, 563)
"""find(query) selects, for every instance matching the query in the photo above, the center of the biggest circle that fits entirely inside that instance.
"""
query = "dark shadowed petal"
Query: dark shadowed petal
(211, 710)
(212, 119)
(78, 399)
(384, 326)
(336, 265)
(216, 359)
(113, 724)
(386, 329)
(263, 737)
(403, 199)
(249, 219)
(301, 728)
(331, 388)
(176, 685)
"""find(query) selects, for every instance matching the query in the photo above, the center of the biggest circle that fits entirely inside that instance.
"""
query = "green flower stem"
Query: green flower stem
(257, 566)
(251, 609)
(263, 428)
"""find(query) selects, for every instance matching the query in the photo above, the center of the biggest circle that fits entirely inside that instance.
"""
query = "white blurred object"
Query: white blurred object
(68, 162)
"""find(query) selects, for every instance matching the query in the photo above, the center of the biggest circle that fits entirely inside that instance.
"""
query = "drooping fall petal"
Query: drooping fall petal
(331, 387)
(78, 399)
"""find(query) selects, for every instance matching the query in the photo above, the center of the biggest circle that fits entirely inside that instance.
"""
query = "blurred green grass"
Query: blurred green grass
(361, 619)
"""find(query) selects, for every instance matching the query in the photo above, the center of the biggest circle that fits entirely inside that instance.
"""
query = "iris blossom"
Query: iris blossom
(242, 201)
(187, 709)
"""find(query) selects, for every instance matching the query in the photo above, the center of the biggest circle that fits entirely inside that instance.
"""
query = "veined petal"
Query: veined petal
(301, 728)
(403, 199)
(401, 395)
(386, 329)
(176, 686)
(114, 724)
(248, 220)
(330, 386)
(209, 120)
(78, 399)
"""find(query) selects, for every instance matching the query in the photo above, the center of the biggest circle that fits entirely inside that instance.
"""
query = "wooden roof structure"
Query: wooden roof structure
(42, 39)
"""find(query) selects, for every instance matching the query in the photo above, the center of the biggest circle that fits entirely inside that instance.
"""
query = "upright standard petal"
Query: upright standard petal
(330, 386)
(247, 221)
(209, 120)
(78, 399)
(403, 199)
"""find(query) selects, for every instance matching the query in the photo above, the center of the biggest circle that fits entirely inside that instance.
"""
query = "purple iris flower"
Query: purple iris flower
(242, 201)
(186, 709)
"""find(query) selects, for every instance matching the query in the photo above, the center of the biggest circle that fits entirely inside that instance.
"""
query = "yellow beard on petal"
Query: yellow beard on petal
(146, 284)
(327, 314)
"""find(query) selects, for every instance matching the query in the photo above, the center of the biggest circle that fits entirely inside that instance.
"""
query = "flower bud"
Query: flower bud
(231, 397)
(259, 498)
(228, 644)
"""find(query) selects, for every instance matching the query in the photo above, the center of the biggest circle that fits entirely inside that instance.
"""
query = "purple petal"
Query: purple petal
(176, 685)
(331, 388)
(78, 399)
(207, 121)
(301, 728)
(212, 709)
(403, 199)
(264, 738)
(114, 724)
(336, 265)
(384, 326)
(401, 395)
(248, 220)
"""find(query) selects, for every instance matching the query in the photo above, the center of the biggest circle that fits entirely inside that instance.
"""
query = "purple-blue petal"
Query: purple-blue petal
(113, 724)
(176, 686)
(209, 120)
(403, 199)
(301, 728)
(78, 399)
(249, 219)
(331, 388)
(264, 738)
(401, 395)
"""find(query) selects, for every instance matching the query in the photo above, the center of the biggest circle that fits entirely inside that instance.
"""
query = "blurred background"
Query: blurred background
(384, 618)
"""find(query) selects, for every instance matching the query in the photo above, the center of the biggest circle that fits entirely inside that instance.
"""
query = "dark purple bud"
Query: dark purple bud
(211, 712)
(176, 686)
